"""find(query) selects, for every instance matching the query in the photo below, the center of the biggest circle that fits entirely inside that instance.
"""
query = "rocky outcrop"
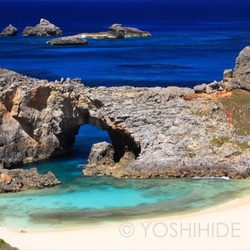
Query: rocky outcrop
(116, 31)
(44, 28)
(227, 75)
(101, 154)
(241, 74)
(68, 40)
(155, 132)
(210, 88)
(198, 89)
(9, 31)
(18, 180)
(215, 87)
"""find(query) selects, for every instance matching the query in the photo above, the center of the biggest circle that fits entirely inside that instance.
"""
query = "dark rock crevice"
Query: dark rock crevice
(122, 143)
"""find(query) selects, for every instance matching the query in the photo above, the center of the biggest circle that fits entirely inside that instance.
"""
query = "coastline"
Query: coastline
(222, 227)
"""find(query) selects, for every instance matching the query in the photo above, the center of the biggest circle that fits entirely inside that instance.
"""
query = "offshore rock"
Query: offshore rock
(44, 28)
(116, 31)
(121, 32)
(9, 31)
(68, 40)
(18, 180)
(133, 32)
(155, 132)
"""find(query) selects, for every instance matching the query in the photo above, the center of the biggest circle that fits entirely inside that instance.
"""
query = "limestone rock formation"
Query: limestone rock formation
(101, 153)
(241, 74)
(116, 31)
(227, 74)
(155, 132)
(200, 88)
(68, 40)
(9, 31)
(18, 179)
(209, 88)
(44, 28)
(128, 31)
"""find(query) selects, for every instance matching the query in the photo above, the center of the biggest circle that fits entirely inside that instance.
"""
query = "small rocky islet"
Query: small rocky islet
(10, 30)
(116, 31)
(155, 132)
(45, 28)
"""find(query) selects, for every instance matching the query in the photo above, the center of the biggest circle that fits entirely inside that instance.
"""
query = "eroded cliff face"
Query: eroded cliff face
(155, 132)
(39, 119)
(241, 76)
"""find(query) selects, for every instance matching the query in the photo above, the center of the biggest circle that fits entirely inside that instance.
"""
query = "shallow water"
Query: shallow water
(96, 200)
(83, 200)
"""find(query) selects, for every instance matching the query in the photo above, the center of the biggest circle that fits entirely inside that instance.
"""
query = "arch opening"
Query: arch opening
(72, 132)
(87, 136)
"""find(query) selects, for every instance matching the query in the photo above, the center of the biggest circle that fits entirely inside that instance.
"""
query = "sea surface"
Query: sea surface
(192, 43)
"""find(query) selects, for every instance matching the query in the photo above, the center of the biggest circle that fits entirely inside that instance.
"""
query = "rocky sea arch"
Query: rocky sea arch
(39, 119)
(155, 132)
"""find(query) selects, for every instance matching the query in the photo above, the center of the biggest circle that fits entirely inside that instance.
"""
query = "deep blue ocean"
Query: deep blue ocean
(192, 42)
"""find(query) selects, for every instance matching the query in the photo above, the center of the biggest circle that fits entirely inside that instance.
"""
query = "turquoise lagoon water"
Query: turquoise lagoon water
(83, 200)
(80, 200)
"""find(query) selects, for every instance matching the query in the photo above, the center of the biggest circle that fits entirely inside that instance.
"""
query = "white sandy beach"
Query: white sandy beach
(223, 227)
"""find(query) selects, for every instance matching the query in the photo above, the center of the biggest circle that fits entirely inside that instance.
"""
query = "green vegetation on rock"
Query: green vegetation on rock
(242, 145)
(6, 246)
(219, 141)
(2, 243)
(237, 108)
